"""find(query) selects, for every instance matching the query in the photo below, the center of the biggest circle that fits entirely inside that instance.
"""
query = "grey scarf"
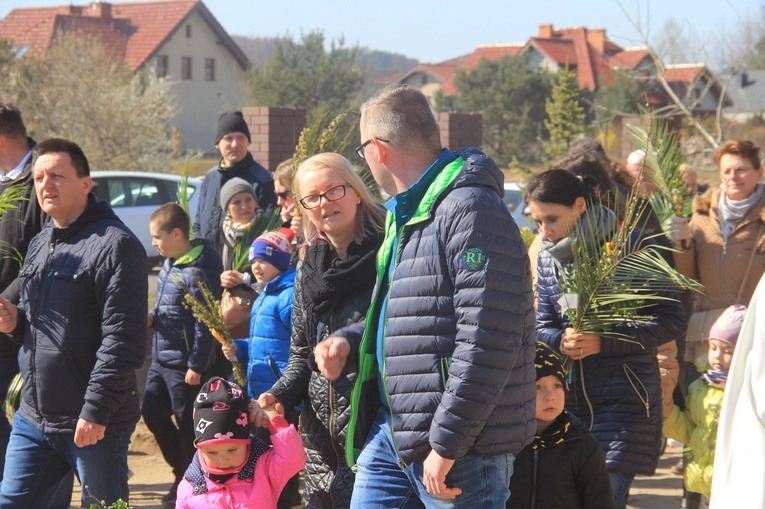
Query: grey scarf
(597, 217)
(731, 212)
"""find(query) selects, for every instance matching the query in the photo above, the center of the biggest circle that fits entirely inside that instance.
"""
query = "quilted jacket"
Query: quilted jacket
(617, 392)
(82, 317)
(181, 341)
(266, 351)
(459, 335)
(326, 405)
(697, 427)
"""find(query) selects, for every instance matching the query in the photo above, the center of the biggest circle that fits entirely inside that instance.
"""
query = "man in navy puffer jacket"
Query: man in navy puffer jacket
(81, 320)
(448, 346)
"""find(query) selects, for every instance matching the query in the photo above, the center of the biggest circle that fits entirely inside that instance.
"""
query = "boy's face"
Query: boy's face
(263, 271)
(168, 244)
(720, 354)
(224, 456)
(551, 397)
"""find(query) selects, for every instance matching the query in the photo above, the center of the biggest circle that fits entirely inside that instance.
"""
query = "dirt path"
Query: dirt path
(152, 477)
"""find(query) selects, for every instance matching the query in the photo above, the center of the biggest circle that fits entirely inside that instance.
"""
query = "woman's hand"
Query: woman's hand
(229, 351)
(231, 279)
(577, 345)
(680, 233)
(297, 226)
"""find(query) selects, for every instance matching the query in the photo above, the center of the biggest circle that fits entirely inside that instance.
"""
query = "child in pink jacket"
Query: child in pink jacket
(232, 468)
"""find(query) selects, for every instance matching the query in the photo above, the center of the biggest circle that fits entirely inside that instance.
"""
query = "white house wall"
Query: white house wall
(200, 102)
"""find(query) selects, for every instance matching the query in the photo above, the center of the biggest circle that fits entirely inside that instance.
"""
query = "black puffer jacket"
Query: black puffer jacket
(209, 214)
(82, 318)
(567, 473)
(181, 341)
(326, 406)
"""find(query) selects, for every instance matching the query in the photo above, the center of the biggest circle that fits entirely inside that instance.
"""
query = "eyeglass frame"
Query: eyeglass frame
(283, 195)
(323, 195)
(738, 172)
(360, 148)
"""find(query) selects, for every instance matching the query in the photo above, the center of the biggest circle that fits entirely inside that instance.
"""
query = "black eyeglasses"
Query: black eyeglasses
(360, 148)
(333, 194)
(284, 195)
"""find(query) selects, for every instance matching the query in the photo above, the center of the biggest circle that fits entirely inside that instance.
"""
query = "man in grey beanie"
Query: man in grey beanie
(232, 139)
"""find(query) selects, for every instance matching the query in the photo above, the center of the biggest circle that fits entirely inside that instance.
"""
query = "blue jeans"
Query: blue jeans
(621, 483)
(381, 484)
(37, 463)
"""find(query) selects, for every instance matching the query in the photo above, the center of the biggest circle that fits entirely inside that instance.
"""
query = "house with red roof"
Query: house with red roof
(176, 39)
(589, 53)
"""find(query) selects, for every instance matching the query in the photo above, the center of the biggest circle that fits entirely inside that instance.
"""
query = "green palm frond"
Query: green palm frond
(13, 398)
(327, 133)
(663, 158)
(183, 195)
(267, 221)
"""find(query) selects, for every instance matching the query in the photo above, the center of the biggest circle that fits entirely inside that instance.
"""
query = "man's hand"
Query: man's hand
(331, 355)
(193, 378)
(266, 400)
(88, 433)
(9, 315)
(434, 471)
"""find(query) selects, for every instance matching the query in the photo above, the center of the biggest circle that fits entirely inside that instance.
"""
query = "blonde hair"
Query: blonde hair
(283, 173)
(370, 217)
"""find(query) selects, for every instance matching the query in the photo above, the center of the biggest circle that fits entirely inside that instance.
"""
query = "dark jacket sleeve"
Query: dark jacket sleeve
(292, 387)
(493, 303)
(121, 287)
(201, 350)
(592, 478)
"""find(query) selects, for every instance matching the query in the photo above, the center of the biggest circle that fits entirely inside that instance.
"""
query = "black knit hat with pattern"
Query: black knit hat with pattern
(548, 363)
(221, 413)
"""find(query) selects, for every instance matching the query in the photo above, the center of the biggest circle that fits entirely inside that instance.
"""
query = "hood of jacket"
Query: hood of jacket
(95, 211)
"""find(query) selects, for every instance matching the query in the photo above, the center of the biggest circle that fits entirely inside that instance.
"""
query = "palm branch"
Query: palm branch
(208, 311)
(183, 194)
(663, 158)
(267, 221)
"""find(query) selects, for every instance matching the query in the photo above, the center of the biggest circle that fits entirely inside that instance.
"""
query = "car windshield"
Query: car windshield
(513, 198)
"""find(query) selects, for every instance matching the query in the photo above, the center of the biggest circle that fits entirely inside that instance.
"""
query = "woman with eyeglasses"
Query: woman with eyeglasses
(285, 199)
(333, 288)
(723, 245)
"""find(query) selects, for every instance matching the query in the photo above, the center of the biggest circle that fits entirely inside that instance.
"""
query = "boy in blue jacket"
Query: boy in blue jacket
(266, 351)
(182, 347)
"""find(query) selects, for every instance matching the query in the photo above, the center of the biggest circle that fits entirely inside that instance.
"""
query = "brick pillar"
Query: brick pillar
(459, 130)
(274, 132)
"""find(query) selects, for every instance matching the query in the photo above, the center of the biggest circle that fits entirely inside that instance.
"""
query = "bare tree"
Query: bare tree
(81, 92)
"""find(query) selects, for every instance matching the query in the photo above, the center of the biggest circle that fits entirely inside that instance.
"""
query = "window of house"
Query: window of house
(186, 68)
(188, 31)
(209, 69)
(161, 63)
(424, 80)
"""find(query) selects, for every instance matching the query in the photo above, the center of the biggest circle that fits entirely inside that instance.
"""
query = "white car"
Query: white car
(135, 195)
(517, 206)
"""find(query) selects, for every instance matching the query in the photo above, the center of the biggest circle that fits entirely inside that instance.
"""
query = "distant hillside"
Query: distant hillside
(378, 63)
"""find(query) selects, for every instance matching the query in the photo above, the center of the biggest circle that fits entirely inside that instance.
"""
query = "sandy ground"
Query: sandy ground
(152, 477)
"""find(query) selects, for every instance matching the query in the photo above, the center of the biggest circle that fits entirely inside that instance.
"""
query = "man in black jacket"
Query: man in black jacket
(17, 227)
(232, 139)
(81, 320)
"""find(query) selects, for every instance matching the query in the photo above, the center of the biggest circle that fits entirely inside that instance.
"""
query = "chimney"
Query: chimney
(70, 10)
(545, 31)
(597, 39)
(101, 10)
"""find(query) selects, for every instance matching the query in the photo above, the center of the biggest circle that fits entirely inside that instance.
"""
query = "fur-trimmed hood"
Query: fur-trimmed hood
(708, 204)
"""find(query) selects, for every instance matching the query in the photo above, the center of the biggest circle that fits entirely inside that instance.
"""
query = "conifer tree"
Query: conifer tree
(565, 115)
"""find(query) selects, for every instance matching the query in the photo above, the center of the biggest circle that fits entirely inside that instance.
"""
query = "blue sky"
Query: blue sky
(433, 31)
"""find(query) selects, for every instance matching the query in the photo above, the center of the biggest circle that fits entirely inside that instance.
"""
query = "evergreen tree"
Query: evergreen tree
(565, 115)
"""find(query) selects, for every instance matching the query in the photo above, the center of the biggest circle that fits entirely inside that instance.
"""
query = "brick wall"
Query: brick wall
(274, 132)
(459, 130)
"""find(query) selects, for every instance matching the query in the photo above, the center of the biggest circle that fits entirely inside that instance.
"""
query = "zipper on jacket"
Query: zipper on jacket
(585, 395)
(42, 287)
(331, 395)
(534, 479)
(628, 371)
(394, 259)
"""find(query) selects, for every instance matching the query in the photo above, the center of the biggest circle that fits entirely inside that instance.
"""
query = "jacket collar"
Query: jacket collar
(708, 205)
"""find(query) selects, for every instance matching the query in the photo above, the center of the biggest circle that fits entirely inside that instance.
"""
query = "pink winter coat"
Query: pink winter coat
(272, 469)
